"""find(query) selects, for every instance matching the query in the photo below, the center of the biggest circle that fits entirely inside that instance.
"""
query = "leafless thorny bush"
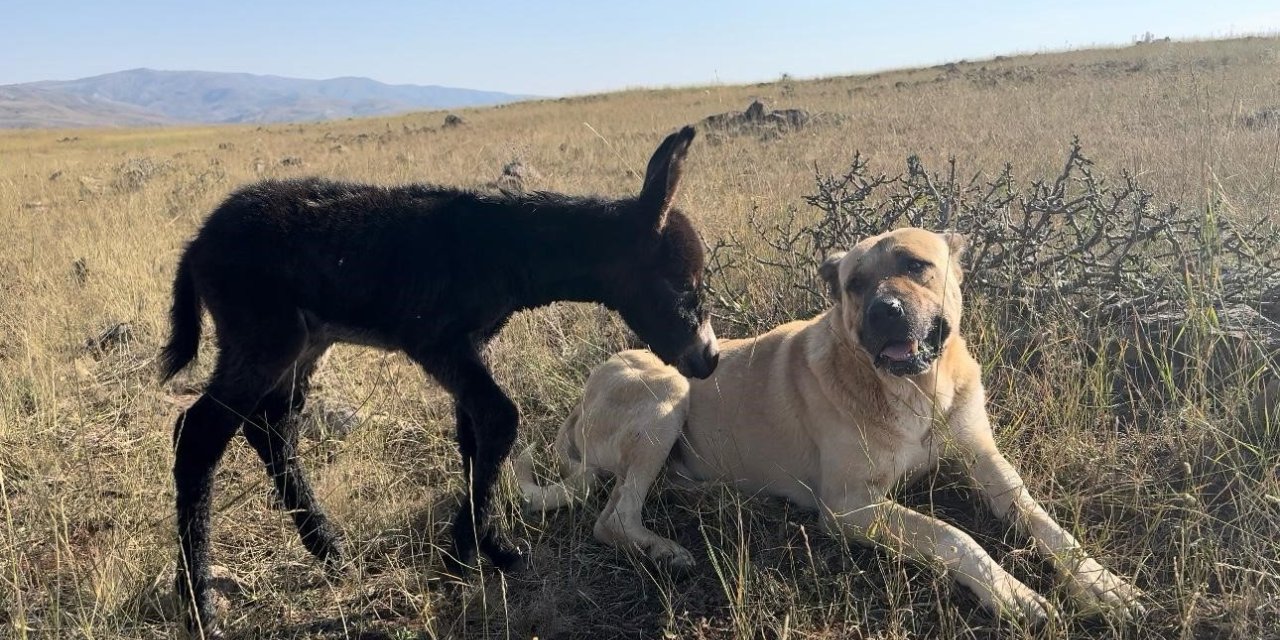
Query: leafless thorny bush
(1075, 244)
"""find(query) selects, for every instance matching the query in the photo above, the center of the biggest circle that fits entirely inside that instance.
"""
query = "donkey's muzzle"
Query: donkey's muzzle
(700, 359)
(700, 365)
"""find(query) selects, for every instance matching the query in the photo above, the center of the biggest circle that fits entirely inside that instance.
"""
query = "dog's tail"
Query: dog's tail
(575, 477)
(184, 316)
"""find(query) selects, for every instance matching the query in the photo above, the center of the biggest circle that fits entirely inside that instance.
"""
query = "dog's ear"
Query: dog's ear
(662, 177)
(958, 243)
(830, 272)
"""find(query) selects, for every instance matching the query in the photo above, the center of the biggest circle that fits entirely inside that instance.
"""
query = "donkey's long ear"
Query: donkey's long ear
(830, 273)
(663, 176)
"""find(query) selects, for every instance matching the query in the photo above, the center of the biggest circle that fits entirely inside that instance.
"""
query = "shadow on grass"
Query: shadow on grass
(761, 565)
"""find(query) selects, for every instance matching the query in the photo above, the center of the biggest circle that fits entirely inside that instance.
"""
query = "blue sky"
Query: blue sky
(561, 48)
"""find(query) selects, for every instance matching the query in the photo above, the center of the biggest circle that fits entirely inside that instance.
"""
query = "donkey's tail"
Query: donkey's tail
(575, 477)
(184, 316)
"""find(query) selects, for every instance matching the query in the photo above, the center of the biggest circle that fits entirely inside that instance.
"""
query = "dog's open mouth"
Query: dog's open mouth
(913, 357)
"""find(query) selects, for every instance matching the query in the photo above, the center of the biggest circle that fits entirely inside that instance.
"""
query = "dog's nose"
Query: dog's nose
(885, 309)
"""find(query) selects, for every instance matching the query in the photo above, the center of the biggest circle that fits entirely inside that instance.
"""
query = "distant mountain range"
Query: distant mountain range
(150, 97)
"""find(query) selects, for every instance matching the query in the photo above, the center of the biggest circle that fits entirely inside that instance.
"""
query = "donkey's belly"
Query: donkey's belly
(324, 330)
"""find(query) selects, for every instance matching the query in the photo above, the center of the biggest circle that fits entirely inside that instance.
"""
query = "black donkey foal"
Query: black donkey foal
(287, 268)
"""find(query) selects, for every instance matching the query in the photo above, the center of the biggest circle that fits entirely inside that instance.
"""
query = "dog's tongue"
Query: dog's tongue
(899, 351)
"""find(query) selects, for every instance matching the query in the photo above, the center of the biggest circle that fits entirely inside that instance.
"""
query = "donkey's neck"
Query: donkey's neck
(570, 254)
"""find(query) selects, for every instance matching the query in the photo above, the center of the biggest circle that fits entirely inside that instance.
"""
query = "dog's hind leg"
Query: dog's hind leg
(273, 433)
(644, 444)
(576, 476)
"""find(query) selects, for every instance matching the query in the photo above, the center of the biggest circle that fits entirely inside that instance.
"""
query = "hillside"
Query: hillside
(147, 96)
(26, 106)
(1173, 483)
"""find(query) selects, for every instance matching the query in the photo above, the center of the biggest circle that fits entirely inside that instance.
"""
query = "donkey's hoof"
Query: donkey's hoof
(327, 547)
(336, 567)
(508, 558)
(201, 626)
(209, 631)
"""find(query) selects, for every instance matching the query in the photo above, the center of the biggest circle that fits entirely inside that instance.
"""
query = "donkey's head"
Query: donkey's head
(658, 291)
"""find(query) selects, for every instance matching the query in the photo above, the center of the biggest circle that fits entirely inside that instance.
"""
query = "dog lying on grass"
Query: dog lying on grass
(830, 413)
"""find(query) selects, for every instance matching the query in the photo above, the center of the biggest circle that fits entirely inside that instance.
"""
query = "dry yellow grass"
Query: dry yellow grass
(87, 540)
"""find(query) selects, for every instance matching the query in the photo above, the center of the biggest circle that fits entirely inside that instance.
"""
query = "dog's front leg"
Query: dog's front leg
(935, 542)
(1089, 583)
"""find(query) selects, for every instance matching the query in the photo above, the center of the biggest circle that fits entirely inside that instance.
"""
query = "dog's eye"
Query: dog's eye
(917, 267)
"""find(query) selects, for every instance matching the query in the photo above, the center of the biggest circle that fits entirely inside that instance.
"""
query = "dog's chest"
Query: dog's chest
(917, 422)
(914, 416)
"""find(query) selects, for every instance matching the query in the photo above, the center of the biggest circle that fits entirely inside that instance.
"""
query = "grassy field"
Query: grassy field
(92, 221)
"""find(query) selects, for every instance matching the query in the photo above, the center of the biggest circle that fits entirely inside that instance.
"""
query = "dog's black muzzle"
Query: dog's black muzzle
(899, 343)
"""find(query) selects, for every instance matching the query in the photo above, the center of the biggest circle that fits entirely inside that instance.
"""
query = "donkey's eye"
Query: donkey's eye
(856, 284)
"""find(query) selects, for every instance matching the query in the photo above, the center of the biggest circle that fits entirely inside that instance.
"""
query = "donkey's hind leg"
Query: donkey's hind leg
(200, 438)
(490, 544)
(273, 433)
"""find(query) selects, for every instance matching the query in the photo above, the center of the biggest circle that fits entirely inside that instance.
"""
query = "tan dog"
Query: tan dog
(829, 413)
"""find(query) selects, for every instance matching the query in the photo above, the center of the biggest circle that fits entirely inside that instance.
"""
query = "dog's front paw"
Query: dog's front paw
(1011, 599)
(1098, 590)
(669, 554)
(1030, 607)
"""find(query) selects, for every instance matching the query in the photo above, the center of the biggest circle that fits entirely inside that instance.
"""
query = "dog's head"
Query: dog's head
(898, 296)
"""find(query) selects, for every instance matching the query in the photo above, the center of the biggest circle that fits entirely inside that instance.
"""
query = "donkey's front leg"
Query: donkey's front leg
(487, 422)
